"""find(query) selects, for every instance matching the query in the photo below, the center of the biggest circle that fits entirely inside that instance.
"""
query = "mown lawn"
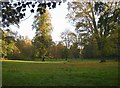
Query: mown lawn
(59, 73)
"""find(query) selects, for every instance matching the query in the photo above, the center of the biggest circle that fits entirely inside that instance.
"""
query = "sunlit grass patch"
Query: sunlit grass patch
(23, 61)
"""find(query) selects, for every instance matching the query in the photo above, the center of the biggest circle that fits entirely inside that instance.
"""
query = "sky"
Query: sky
(58, 21)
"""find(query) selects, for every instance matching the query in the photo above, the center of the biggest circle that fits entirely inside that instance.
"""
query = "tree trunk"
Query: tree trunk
(43, 58)
(101, 45)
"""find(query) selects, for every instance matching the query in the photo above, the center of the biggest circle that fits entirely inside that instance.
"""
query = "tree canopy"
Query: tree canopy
(13, 11)
(96, 21)
(43, 40)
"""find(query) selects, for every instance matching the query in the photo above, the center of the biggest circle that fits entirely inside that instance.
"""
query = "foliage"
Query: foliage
(74, 51)
(96, 33)
(68, 38)
(91, 50)
(15, 48)
(57, 50)
(42, 41)
(13, 11)
(26, 49)
(98, 20)
(7, 42)
(60, 51)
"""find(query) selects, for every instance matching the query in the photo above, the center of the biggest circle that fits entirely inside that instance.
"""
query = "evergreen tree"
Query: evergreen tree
(42, 41)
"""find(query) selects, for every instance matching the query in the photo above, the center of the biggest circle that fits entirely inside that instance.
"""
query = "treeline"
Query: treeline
(41, 46)
(84, 46)
(25, 49)
(96, 35)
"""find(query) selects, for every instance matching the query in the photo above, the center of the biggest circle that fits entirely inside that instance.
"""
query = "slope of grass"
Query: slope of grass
(59, 73)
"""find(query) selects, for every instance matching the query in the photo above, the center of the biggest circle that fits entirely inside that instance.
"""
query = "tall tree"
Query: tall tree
(42, 41)
(108, 24)
(94, 19)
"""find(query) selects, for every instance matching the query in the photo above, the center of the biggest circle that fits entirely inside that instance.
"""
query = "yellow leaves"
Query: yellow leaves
(106, 8)
(44, 22)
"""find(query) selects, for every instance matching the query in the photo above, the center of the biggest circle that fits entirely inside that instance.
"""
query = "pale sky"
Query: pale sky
(58, 20)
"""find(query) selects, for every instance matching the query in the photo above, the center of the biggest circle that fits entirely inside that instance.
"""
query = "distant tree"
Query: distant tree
(62, 51)
(65, 38)
(42, 40)
(72, 42)
(68, 38)
(59, 51)
(26, 49)
(73, 37)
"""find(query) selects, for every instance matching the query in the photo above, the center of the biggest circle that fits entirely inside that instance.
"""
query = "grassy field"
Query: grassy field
(59, 73)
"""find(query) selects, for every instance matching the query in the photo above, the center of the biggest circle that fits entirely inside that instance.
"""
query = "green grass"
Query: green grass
(59, 73)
